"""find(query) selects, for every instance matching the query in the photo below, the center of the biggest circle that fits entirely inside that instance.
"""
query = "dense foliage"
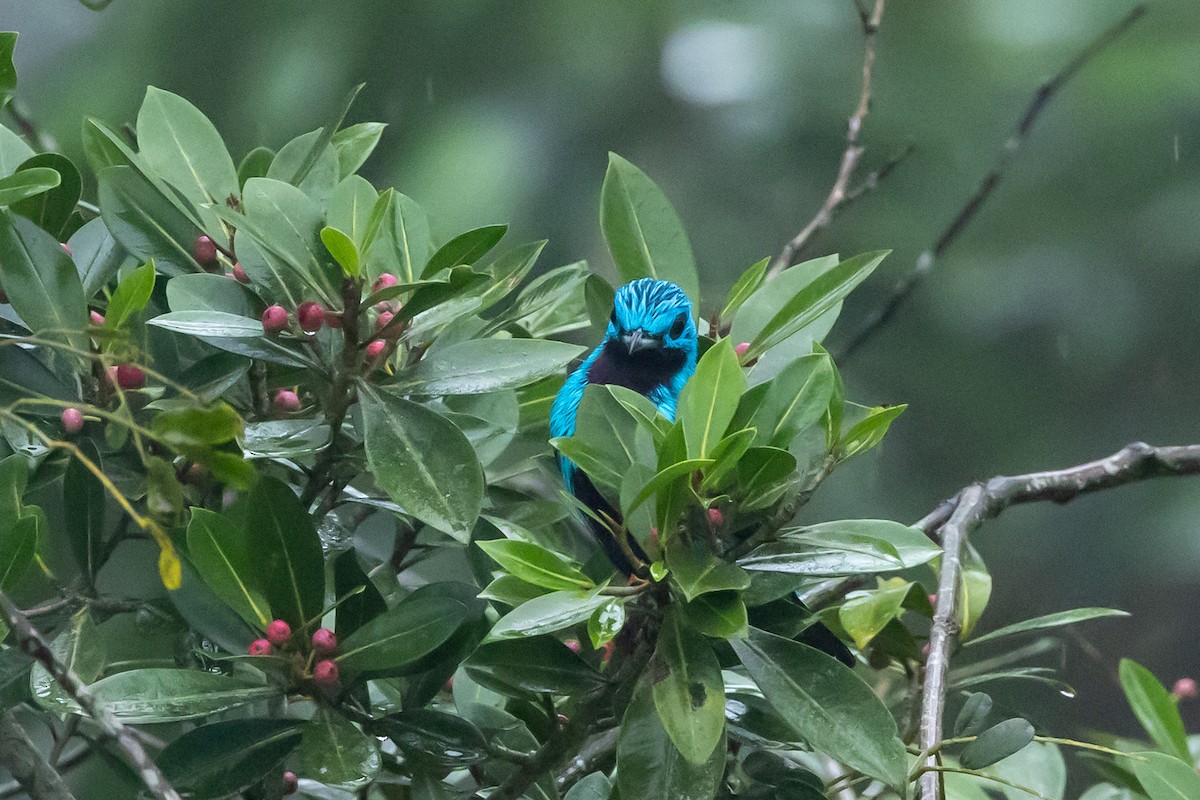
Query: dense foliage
(333, 431)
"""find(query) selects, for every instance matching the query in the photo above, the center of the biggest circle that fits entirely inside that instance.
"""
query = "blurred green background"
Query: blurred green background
(1060, 327)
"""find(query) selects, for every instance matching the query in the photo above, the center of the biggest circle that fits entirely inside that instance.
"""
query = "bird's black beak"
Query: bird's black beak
(637, 340)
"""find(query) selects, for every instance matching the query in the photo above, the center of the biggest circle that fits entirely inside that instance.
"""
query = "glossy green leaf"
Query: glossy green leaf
(84, 506)
(997, 742)
(1167, 778)
(685, 681)
(210, 616)
(145, 222)
(327, 132)
(400, 637)
(466, 248)
(725, 458)
(650, 767)
(405, 239)
(535, 564)
(42, 284)
(423, 462)
(343, 250)
(844, 547)
(974, 590)
(286, 552)
(663, 479)
(795, 400)
(710, 398)
(285, 224)
(972, 717)
(511, 591)
(225, 758)
(204, 291)
(547, 614)
(336, 753)
(532, 664)
(606, 622)
(130, 297)
(721, 615)
(232, 333)
(435, 737)
(354, 144)
(26, 183)
(161, 694)
(220, 552)
(508, 270)
(1055, 620)
(357, 609)
(644, 234)
(864, 614)
(869, 431)
(478, 366)
(553, 302)
(51, 209)
(697, 573)
(1154, 708)
(321, 178)
(763, 474)
(79, 647)
(827, 704)
(18, 547)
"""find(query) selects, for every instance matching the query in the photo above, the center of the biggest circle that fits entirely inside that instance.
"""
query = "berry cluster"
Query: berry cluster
(322, 648)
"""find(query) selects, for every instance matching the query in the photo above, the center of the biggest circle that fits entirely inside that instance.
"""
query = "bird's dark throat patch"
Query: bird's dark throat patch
(642, 371)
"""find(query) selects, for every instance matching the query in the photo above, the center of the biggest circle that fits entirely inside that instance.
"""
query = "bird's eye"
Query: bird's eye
(678, 325)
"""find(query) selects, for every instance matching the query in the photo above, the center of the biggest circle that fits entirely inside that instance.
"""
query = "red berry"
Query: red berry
(130, 377)
(606, 656)
(290, 783)
(286, 401)
(741, 349)
(96, 318)
(311, 316)
(1185, 689)
(72, 420)
(324, 642)
(274, 319)
(573, 645)
(278, 632)
(67, 249)
(333, 318)
(375, 348)
(325, 673)
(239, 274)
(205, 250)
(259, 647)
(716, 517)
(384, 281)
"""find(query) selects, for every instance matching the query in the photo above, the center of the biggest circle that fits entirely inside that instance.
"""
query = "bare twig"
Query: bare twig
(925, 262)
(32, 643)
(960, 516)
(850, 157)
(594, 752)
(29, 767)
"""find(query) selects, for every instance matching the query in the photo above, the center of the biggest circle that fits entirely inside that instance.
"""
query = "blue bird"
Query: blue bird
(649, 347)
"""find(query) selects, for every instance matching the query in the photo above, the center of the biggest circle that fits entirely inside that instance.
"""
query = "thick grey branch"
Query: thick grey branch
(28, 766)
(32, 642)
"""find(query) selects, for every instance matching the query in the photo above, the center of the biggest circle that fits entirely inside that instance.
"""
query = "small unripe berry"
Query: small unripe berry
(382, 321)
(286, 401)
(194, 474)
(311, 316)
(130, 377)
(1185, 689)
(384, 281)
(239, 274)
(205, 250)
(96, 318)
(573, 645)
(324, 642)
(933, 599)
(67, 249)
(741, 349)
(259, 647)
(278, 632)
(290, 783)
(72, 420)
(274, 319)
(333, 318)
(715, 517)
(375, 349)
(325, 673)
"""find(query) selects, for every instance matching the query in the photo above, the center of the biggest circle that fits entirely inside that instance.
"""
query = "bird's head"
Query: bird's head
(652, 316)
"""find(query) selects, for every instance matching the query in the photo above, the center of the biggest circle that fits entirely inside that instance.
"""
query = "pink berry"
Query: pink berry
(324, 642)
(375, 349)
(259, 647)
(290, 783)
(716, 517)
(741, 349)
(311, 316)
(385, 318)
(325, 673)
(278, 632)
(1185, 689)
(573, 645)
(286, 401)
(72, 420)
(933, 599)
(384, 281)
(67, 249)
(333, 318)
(204, 250)
(130, 377)
(96, 318)
(239, 274)
(111, 372)
(274, 319)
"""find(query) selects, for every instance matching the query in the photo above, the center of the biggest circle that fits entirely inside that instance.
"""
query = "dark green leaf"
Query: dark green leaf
(285, 549)
(8, 73)
(208, 615)
(595, 786)
(18, 546)
(84, 508)
(710, 398)
(696, 572)
(336, 753)
(685, 680)
(220, 552)
(80, 648)
(145, 222)
(207, 292)
(27, 182)
(436, 737)
(997, 742)
(401, 636)
(721, 615)
(973, 716)
(478, 366)
(827, 703)
(255, 165)
(286, 224)
(466, 248)
(42, 284)
(1055, 620)
(1154, 708)
(644, 234)
(96, 254)
(159, 694)
(232, 333)
(532, 664)
(535, 564)
(52, 209)
(795, 400)
(358, 609)
(225, 758)
(844, 547)
(404, 243)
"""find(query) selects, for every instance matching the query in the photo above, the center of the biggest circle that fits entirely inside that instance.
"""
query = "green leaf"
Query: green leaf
(51, 210)
(725, 458)
(795, 400)
(974, 590)
(685, 680)
(225, 758)
(435, 737)
(466, 248)
(145, 222)
(208, 615)
(696, 572)
(357, 609)
(350, 209)
(232, 333)
(827, 704)
(131, 296)
(80, 648)
(207, 292)
(747, 284)
(8, 73)
(663, 479)
(13, 151)
(997, 742)
(255, 164)
(405, 244)
(328, 130)
(423, 462)
(1167, 778)
(535, 564)
(400, 637)
(864, 614)
(595, 786)
(27, 182)
(160, 694)
(478, 366)
(538, 664)
(286, 225)
(547, 614)
(973, 715)
(606, 622)
(844, 547)
(336, 753)
(354, 144)
(868, 431)
(343, 250)
(1154, 708)
(511, 591)
(508, 270)
(320, 179)
(721, 615)
(1038, 767)
(178, 143)
(710, 399)
(649, 767)
(96, 254)
(644, 234)
(220, 552)
(1055, 620)
(84, 506)
(42, 284)
(18, 547)
(285, 549)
